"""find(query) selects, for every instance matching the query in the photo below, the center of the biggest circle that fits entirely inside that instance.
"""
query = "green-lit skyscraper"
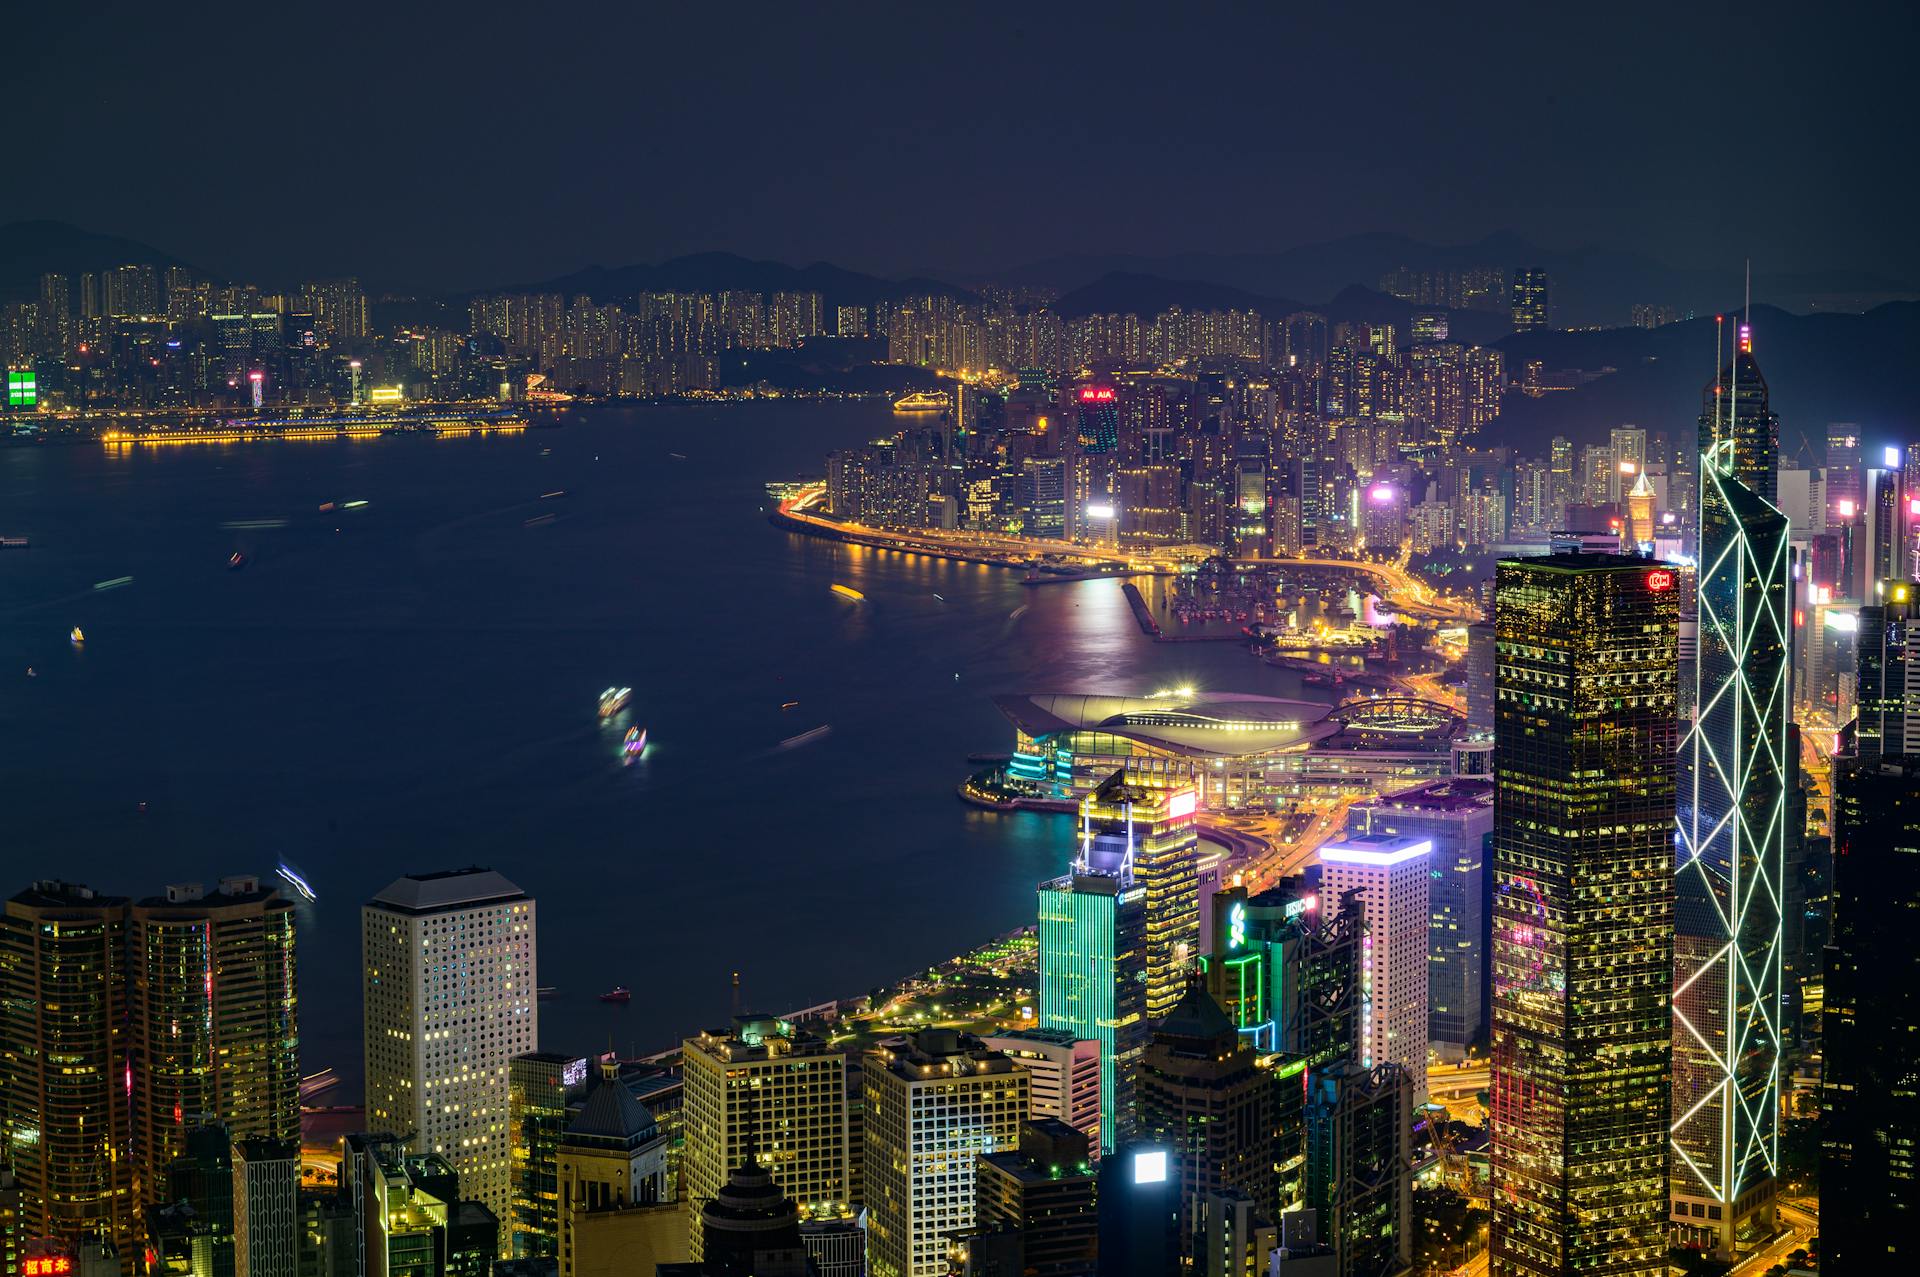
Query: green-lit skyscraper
(1730, 844)
(1585, 725)
(1093, 966)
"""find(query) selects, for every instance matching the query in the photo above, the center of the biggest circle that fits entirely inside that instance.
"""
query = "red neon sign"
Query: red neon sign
(1095, 394)
(1658, 581)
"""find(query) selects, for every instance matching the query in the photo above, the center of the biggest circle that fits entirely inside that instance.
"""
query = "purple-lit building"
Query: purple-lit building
(1391, 874)
(1455, 816)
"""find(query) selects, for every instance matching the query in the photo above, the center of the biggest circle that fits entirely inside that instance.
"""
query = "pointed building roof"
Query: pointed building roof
(1196, 1017)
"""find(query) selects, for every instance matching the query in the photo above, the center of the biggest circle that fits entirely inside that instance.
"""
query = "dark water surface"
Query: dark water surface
(411, 686)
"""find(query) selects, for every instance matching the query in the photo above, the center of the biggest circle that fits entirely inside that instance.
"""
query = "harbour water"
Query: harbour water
(410, 684)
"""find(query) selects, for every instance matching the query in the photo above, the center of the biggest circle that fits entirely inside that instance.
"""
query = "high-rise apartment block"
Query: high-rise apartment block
(215, 1034)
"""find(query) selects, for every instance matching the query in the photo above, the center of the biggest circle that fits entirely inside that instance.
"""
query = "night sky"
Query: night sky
(475, 144)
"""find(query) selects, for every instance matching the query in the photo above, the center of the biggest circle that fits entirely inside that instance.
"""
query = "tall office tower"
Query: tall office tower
(1887, 685)
(611, 1157)
(540, 1089)
(1201, 1096)
(63, 1018)
(1043, 1190)
(1287, 970)
(1064, 1075)
(780, 1093)
(934, 1103)
(1154, 826)
(1582, 914)
(1093, 967)
(1530, 312)
(215, 1033)
(1391, 876)
(266, 1207)
(1455, 816)
(1359, 1165)
(1843, 465)
(449, 981)
(1730, 843)
(1870, 1118)
(1880, 530)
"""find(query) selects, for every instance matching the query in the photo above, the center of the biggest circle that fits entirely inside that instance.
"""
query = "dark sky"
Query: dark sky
(470, 144)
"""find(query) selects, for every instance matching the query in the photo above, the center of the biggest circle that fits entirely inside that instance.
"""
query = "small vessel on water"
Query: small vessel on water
(618, 993)
(848, 592)
(613, 700)
(922, 401)
(77, 636)
(807, 737)
(635, 743)
(287, 875)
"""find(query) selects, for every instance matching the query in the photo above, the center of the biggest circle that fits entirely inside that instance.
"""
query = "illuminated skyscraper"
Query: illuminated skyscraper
(934, 1103)
(1887, 692)
(1585, 729)
(1730, 844)
(449, 980)
(1390, 876)
(1152, 828)
(64, 1078)
(1456, 815)
(215, 1034)
(1093, 966)
(1870, 1112)
(766, 1090)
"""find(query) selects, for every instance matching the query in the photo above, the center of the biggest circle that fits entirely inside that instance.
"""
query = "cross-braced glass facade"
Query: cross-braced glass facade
(1730, 840)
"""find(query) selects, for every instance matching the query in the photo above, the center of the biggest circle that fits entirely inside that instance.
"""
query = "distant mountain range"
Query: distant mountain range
(1819, 369)
(1590, 286)
(29, 250)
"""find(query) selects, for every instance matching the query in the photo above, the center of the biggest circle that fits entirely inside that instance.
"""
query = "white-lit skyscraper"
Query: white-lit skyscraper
(1391, 874)
(449, 1000)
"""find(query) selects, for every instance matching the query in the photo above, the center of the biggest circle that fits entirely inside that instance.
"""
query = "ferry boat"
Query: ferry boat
(923, 401)
(613, 700)
(299, 884)
(848, 592)
(618, 993)
(635, 742)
